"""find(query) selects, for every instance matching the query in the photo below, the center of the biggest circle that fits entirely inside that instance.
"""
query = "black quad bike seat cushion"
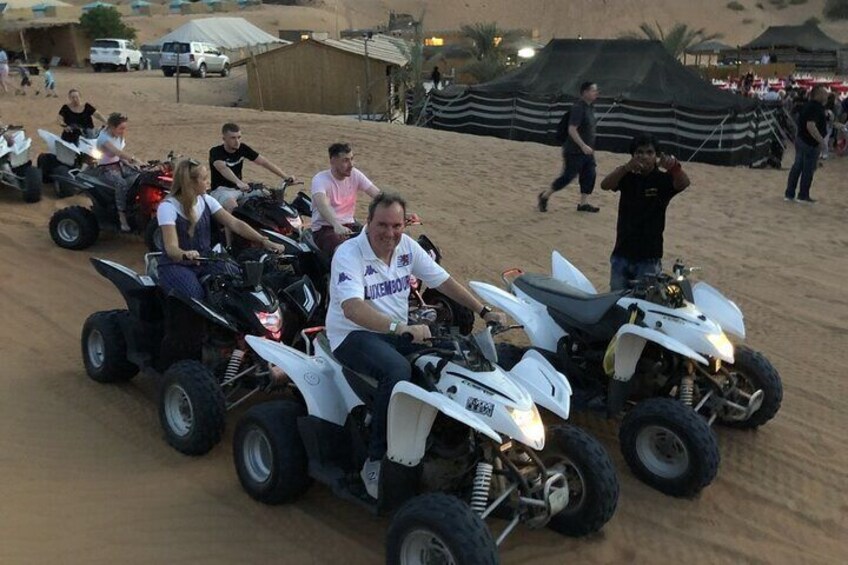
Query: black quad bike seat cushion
(584, 308)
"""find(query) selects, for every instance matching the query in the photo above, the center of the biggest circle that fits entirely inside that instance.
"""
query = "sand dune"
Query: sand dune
(87, 478)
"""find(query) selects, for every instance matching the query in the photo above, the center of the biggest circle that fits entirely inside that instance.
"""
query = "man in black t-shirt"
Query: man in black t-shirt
(812, 125)
(225, 164)
(645, 194)
(578, 151)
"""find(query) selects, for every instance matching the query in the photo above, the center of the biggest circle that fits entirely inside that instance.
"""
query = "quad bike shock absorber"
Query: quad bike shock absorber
(480, 489)
(687, 390)
(233, 365)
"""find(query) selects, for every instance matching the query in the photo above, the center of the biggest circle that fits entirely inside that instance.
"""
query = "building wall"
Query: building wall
(314, 78)
(65, 41)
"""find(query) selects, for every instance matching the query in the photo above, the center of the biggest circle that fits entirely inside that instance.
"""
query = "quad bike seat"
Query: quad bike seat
(309, 239)
(585, 309)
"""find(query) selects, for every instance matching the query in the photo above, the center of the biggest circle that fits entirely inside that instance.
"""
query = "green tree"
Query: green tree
(676, 40)
(836, 9)
(488, 42)
(105, 21)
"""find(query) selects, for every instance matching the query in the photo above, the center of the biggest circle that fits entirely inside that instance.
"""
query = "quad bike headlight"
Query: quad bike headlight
(96, 154)
(722, 344)
(530, 422)
(271, 321)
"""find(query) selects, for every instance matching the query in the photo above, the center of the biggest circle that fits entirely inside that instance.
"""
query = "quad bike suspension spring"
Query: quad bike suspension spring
(687, 390)
(480, 490)
(233, 365)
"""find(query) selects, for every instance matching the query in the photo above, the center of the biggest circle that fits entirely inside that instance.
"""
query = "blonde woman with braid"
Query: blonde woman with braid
(186, 221)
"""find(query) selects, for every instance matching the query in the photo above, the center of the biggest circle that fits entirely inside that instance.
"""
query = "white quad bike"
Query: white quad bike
(63, 160)
(465, 442)
(16, 170)
(660, 352)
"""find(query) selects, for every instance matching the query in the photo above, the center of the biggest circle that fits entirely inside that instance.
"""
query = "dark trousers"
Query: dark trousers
(575, 164)
(327, 239)
(624, 270)
(804, 167)
(383, 357)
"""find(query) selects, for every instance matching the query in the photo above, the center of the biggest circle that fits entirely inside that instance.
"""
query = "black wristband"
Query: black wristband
(484, 311)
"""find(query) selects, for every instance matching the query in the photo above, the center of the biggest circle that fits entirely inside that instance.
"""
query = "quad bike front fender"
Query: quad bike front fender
(548, 387)
(563, 271)
(314, 377)
(719, 308)
(543, 332)
(630, 340)
(412, 411)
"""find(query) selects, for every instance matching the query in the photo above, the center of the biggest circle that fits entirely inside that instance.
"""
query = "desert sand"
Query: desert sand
(87, 478)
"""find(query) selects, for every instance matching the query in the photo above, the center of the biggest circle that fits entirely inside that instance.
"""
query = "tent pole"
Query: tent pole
(258, 81)
(712, 133)
(23, 46)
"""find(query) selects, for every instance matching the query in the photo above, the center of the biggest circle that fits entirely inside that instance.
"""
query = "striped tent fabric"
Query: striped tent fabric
(643, 89)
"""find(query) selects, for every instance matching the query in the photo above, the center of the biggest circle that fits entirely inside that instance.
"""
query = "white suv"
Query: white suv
(195, 57)
(118, 54)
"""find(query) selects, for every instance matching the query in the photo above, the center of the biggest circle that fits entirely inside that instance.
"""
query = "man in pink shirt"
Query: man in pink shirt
(334, 193)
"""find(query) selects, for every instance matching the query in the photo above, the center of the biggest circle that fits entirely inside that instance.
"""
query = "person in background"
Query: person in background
(111, 143)
(4, 71)
(77, 118)
(25, 81)
(436, 77)
(812, 126)
(49, 82)
(578, 153)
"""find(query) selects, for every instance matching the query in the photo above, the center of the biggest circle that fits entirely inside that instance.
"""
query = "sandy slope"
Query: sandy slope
(87, 478)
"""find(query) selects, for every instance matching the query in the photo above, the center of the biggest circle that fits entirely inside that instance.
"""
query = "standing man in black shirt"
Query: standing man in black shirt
(578, 151)
(645, 194)
(225, 163)
(812, 125)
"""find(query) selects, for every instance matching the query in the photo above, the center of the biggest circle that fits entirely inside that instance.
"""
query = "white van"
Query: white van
(117, 54)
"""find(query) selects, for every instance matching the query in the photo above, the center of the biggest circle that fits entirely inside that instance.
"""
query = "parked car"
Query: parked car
(117, 54)
(195, 57)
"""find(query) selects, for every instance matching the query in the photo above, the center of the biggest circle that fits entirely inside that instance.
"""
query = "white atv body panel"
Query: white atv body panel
(630, 340)
(548, 387)
(543, 332)
(412, 411)
(719, 308)
(563, 271)
(319, 380)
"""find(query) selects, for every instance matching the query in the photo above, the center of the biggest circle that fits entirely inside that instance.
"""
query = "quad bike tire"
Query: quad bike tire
(271, 461)
(225, 72)
(437, 528)
(758, 373)
(32, 184)
(104, 348)
(61, 188)
(192, 408)
(449, 311)
(592, 480)
(153, 236)
(74, 227)
(669, 446)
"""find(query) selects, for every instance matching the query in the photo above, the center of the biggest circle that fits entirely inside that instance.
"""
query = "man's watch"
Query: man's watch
(485, 311)
(393, 327)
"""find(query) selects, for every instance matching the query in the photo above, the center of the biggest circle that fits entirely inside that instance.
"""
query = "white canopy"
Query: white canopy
(227, 33)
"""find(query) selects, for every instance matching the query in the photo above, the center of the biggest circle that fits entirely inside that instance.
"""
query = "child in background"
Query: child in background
(49, 82)
(25, 82)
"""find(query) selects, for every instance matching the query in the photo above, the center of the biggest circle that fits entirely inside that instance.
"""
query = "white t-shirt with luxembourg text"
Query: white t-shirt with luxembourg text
(357, 273)
(341, 195)
(167, 211)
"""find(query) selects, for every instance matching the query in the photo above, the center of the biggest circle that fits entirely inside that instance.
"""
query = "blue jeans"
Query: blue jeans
(623, 270)
(577, 164)
(806, 161)
(382, 356)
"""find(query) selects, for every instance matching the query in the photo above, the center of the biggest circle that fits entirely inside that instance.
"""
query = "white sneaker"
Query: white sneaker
(371, 477)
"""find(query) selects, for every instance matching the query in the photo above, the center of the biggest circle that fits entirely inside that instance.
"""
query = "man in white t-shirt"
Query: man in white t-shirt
(369, 304)
(334, 193)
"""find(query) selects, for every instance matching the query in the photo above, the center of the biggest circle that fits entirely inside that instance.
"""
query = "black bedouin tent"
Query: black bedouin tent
(643, 89)
(807, 46)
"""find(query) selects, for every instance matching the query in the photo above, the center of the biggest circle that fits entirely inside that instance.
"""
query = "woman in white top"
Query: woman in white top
(111, 143)
(4, 71)
(186, 221)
